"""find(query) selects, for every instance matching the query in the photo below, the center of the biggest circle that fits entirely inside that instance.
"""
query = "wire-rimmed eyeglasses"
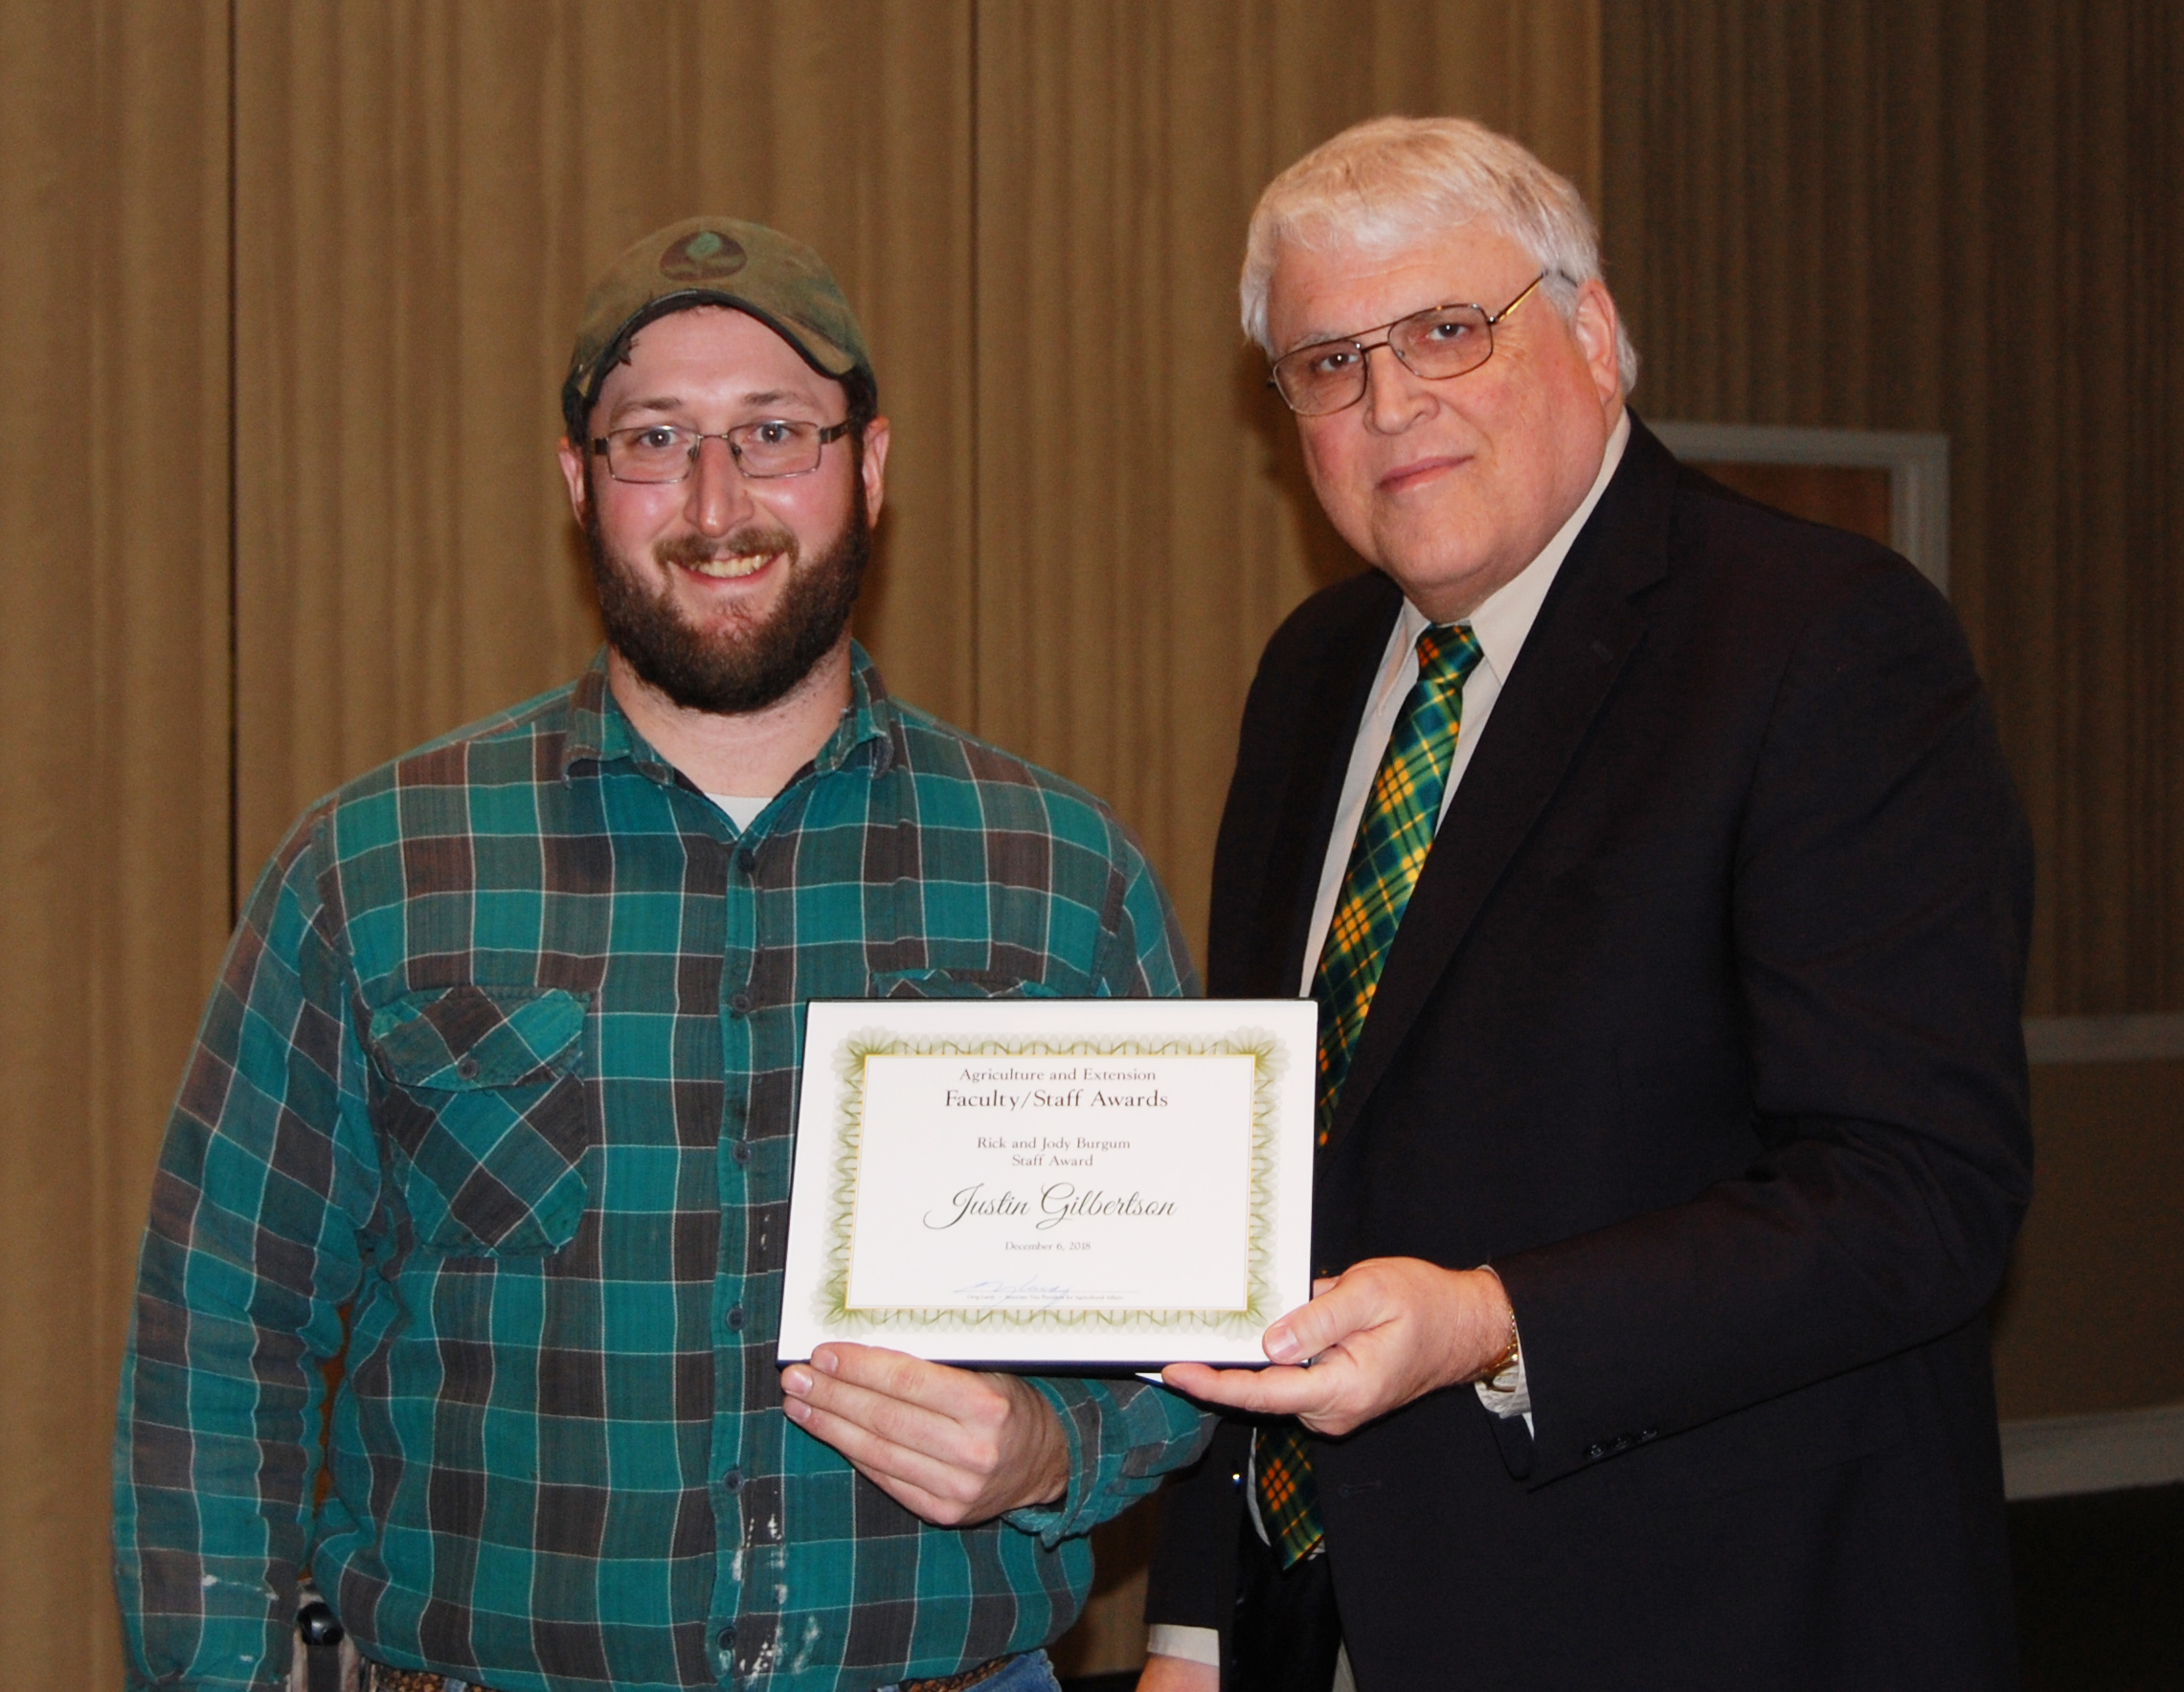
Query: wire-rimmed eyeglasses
(665, 452)
(1440, 342)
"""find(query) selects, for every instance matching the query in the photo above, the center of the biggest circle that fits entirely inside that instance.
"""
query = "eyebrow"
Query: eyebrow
(1315, 338)
(1323, 337)
(1342, 337)
(670, 402)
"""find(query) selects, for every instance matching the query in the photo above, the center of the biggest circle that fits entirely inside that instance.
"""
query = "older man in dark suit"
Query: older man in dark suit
(1655, 867)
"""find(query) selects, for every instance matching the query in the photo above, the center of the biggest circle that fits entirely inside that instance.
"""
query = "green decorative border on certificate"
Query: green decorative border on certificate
(1269, 1058)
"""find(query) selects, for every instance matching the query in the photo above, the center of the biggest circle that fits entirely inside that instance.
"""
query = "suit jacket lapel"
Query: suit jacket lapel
(1318, 760)
(1586, 632)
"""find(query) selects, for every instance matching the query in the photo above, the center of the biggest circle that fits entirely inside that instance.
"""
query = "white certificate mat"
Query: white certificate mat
(1118, 1183)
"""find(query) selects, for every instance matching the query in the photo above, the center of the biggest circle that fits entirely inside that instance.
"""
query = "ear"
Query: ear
(1594, 326)
(875, 467)
(572, 473)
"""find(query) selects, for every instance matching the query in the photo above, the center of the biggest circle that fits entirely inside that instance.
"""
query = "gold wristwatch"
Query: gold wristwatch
(1491, 1377)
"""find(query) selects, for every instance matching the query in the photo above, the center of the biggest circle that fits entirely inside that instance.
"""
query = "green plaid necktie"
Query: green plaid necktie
(1394, 835)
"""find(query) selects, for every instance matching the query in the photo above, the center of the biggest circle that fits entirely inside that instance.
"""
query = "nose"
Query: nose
(719, 496)
(1396, 397)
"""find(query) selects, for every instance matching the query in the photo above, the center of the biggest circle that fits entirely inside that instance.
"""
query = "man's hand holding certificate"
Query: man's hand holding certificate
(1062, 1182)
(952, 1445)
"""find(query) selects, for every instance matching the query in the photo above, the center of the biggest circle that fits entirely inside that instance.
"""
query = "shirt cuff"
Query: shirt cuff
(1052, 1522)
(1165, 1638)
(1123, 1435)
(1508, 1394)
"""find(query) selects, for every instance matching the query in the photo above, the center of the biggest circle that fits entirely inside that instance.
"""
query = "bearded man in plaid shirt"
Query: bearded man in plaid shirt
(494, 1098)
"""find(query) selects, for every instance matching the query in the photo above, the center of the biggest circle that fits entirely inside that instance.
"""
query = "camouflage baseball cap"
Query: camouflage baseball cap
(714, 261)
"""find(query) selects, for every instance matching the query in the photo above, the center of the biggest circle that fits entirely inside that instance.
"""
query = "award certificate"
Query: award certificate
(1114, 1183)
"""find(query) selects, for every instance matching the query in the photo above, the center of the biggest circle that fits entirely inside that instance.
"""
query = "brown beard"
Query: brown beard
(741, 670)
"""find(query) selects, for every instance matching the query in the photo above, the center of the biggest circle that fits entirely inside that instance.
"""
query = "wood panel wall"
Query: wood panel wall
(1958, 215)
(371, 226)
(1969, 216)
(114, 685)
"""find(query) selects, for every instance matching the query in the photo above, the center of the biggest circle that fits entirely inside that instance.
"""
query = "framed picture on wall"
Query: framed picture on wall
(1890, 485)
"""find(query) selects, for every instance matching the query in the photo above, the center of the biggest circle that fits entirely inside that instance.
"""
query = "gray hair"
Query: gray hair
(1388, 185)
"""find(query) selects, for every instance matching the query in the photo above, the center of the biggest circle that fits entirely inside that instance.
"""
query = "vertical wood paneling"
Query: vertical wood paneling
(1143, 522)
(1958, 215)
(113, 679)
(423, 193)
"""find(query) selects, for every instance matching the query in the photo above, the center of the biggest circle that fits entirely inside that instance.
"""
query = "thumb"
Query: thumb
(1310, 1329)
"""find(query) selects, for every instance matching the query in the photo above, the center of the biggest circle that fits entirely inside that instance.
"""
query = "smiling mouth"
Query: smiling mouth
(731, 567)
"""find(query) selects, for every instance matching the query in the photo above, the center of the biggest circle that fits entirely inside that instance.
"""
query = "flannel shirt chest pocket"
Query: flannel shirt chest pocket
(482, 1099)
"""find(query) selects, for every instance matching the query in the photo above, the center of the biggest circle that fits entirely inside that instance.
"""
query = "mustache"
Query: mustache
(751, 542)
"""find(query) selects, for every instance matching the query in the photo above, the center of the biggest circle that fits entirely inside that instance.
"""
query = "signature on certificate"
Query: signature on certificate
(1031, 1289)
(1037, 1292)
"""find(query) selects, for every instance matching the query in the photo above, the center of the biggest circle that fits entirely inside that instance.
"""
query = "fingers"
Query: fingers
(892, 1396)
(953, 1446)
(1341, 1306)
(1310, 1329)
(1312, 1333)
(884, 1464)
(894, 1375)
(1379, 1293)
(1382, 1334)
(1305, 1394)
(940, 1491)
(922, 1408)
(1234, 1388)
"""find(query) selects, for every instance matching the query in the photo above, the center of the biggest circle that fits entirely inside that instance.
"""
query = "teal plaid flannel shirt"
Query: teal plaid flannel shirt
(497, 1090)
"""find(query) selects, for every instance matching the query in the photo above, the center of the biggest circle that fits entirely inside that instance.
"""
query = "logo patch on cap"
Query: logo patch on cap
(706, 256)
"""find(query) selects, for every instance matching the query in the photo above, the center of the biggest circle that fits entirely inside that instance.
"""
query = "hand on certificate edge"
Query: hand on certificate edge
(1379, 1334)
(950, 1445)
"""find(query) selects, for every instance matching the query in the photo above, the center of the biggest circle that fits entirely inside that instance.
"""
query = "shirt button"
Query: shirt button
(747, 860)
(741, 1151)
(726, 1640)
(732, 1480)
(739, 1001)
(466, 1066)
(1596, 1452)
(735, 1319)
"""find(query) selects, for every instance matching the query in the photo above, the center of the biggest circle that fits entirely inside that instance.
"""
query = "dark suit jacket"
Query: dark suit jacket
(1702, 1027)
